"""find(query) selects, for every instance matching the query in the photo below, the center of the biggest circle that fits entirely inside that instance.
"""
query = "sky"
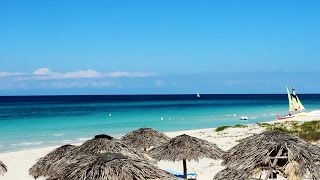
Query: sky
(158, 47)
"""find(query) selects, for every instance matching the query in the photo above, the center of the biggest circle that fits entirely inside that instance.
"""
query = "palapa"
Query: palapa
(272, 151)
(104, 143)
(185, 147)
(226, 173)
(144, 138)
(3, 168)
(110, 166)
(51, 163)
(46, 165)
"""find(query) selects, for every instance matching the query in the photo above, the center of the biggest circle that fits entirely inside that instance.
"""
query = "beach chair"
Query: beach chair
(190, 176)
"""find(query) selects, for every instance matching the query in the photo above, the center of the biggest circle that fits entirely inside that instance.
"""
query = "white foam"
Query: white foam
(66, 141)
(57, 134)
(26, 143)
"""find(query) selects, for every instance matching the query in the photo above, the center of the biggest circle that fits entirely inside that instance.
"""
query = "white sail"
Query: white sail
(296, 100)
(291, 105)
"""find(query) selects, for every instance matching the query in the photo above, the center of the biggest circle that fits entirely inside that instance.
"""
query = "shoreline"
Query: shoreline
(170, 133)
(118, 136)
(18, 162)
(43, 143)
(316, 114)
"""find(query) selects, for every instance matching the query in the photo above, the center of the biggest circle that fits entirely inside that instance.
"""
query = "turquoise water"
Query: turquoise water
(38, 121)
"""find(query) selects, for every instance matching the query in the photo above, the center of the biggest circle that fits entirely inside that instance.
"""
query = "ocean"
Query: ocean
(37, 121)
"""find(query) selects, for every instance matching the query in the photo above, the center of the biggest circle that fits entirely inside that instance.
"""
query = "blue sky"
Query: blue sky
(139, 47)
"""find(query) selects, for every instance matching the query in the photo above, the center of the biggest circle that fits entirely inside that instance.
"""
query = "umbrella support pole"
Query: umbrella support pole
(185, 168)
(273, 163)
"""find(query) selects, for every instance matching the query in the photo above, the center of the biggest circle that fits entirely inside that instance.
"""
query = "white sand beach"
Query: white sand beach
(19, 162)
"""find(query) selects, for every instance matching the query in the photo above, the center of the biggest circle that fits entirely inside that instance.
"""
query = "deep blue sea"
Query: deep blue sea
(37, 121)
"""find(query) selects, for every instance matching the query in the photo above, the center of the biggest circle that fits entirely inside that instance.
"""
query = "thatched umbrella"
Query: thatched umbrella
(226, 173)
(51, 163)
(45, 165)
(104, 143)
(110, 166)
(184, 147)
(144, 138)
(3, 168)
(240, 174)
(273, 151)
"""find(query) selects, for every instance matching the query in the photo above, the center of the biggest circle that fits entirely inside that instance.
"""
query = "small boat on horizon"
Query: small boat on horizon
(295, 105)
(198, 95)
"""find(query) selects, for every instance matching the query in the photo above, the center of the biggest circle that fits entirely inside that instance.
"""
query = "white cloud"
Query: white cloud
(45, 78)
(7, 74)
(43, 71)
(129, 74)
(82, 74)
(46, 73)
(77, 84)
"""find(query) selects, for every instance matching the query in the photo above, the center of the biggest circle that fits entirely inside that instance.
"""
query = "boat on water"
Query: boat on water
(295, 105)
(244, 118)
(198, 95)
(285, 117)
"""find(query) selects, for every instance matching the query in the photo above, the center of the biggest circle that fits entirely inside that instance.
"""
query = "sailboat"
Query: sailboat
(198, 95)
(295, 105)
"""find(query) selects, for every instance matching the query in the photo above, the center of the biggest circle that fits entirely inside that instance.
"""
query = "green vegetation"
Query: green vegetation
(240, 126)
(310, 136)
(310, 126)
(263, 124)
(221, 128)
(309, 131)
